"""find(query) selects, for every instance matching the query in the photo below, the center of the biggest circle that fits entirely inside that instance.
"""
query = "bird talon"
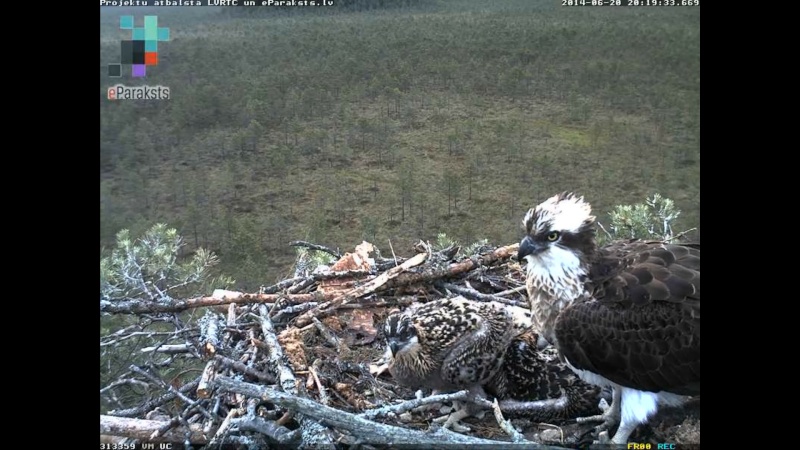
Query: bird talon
(428, 407)
(440, 419)
(461, 428)
(602, 439)
(453, 420)
(588, 419)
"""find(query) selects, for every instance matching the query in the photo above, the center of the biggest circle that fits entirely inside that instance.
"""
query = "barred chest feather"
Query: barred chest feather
(553, 284)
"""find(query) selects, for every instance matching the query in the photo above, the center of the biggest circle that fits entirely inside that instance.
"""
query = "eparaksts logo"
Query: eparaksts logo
(122, 92)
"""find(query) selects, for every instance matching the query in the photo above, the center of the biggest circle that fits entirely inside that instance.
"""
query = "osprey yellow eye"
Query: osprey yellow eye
(553, 236)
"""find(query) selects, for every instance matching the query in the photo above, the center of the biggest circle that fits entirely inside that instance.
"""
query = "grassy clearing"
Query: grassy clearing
(447, 117)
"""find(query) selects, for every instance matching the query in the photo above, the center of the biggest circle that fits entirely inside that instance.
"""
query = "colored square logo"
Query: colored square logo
(141, 50)
(126, 52)
(151, 22)
(115, 70)
(126, 22)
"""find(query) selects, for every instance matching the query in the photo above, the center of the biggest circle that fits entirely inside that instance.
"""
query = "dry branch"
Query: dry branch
(143, 429)
(179, 394)
(340, 401)
(281, 285)
(365, 430)
(246, 370)
(367, 288)
(268, 428)
(515, 290)
(135, 306)
(203, 390)
(475, 295)
(290, 310)
(327, 334)
(413, 404)
(286, 378)
(305, 284)
(151, 405)
(224, 427)
(320, 248)
(394, 277)
(309, 430)
(432, 274)
(169, 349)
(323, 393)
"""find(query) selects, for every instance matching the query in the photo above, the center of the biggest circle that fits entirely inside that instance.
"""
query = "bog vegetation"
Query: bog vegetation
(396, 122)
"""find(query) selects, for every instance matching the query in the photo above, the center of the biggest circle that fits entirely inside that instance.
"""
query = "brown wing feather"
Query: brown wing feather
(640, 272)
(643, 330)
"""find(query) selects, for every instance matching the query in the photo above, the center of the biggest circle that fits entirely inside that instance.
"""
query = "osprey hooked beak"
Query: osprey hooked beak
(529, 247)
(394, 347)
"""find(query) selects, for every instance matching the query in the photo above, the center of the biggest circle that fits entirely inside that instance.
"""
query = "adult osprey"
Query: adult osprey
(626, 315)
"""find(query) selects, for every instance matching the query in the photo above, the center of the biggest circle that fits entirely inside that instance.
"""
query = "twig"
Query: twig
(180, 395)
(151, 405)
(223, 428)
(323, 393)
(231, 321)
(429, 274)
(516, 290)
(393, 255)
(245, 369)
(135, 306)
(203, 390)
(379, 302)
(475, 295)
(538, 410)
(317, 247)
(367, 430)
(123, 381)
(169, 349)
(327, 333)
(144, 429)
(311, 431)
(277, 432)
(215, 412)
(506, 425)
(285, 418)
(286, 378)
(604, 230)
(148, 334)
(281, 285)
(682, 234)
(413, 404)
(308, 282)
(289, 310)
(367, 288)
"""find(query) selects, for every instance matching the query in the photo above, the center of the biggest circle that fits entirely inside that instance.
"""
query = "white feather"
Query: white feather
(558, 268)
(637, 406)
(565, 215)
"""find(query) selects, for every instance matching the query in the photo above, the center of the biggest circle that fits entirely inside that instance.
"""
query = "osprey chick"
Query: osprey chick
(451, 344)
(626, 315)
(533, 383)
